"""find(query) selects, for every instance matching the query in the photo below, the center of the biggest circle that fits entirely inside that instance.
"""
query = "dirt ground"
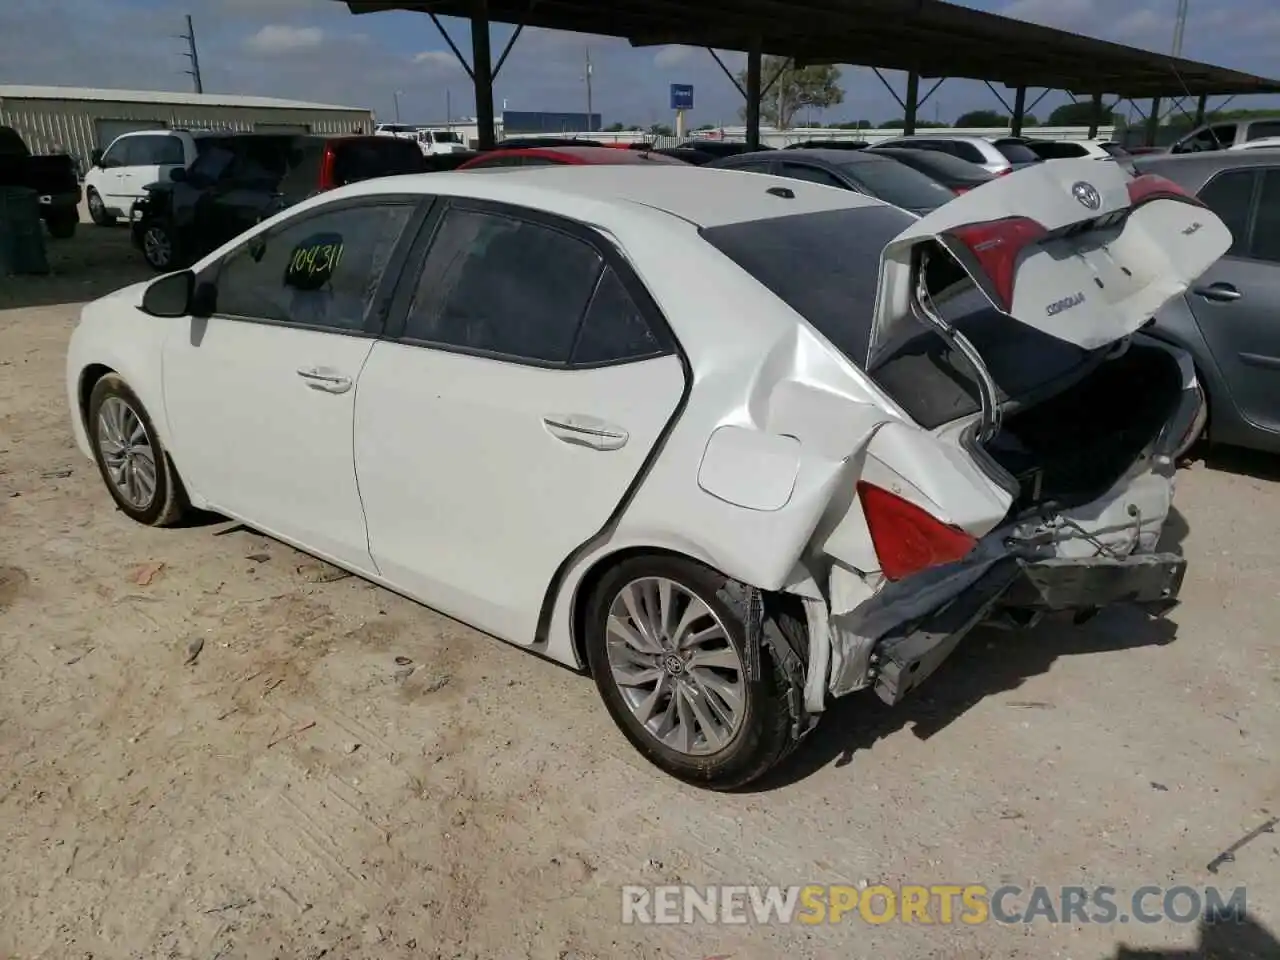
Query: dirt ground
(214, 747)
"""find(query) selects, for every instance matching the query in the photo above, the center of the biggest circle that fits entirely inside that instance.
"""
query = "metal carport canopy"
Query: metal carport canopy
(928, 38)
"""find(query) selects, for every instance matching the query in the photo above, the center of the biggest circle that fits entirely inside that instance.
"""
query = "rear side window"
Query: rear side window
(213, 160)
(899, 184)
(966, 151)
(1266, 226)
(1016, 152)
(1048, 150)
(1230, 196)
(500, 285)
(1264, 128)
(614, 330)
(319, 271)
(151, 151)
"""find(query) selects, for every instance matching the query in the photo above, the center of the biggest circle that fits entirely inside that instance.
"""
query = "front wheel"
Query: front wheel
(666, 650)
(98, 210)
(159, 248)
(130, 457)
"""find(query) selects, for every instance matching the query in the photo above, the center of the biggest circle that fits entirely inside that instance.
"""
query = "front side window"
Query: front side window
(319, 271)
(156, 151)
(502, 285)
(213, 160)
(116, 153)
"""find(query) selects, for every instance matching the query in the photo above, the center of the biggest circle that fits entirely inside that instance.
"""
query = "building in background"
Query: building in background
(82, 120)
(524, 122)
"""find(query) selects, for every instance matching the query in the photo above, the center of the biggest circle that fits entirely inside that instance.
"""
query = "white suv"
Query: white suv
(999, 155)
(120, 174)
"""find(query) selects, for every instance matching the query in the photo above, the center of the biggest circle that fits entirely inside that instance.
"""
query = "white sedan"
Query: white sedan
(735, 444)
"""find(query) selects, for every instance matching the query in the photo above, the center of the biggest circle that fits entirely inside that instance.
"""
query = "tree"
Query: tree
(981, 118)
(815, 86)
(661, 130)
(1077, 115)
(1029, 120)
(614, 128)
(706, 126)
(853, 125)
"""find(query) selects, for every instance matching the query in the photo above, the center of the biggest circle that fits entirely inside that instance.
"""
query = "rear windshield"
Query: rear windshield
(825, 266)
(945, 167)
(370, 157)
(1016, 152)
(898, 184)
(1049, 150)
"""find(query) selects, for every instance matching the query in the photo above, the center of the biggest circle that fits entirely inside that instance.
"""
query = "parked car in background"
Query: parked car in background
(873, 174)
(561, 156)
(240, 179)
(1074, 149)
(1229, 321)
(520, 143)
(959, 176)
(1225, 134)
(999, 156)
(53, 178)
(434, 141)
(404, 131)
(119, 175)
(827, 144)
(808, 472)
(722, 148)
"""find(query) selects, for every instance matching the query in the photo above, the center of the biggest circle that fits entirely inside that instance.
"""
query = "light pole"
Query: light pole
(587, 77)
(1178, 28)
(395, 97)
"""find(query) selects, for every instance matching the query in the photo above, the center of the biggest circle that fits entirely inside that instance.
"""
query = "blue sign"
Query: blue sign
(682, 96)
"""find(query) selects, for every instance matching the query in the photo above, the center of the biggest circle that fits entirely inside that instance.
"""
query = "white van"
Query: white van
(120, 174)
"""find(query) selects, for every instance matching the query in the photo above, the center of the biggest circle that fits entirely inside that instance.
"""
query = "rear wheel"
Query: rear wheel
(667, 654)
(130, 457)
(158, 247)
(98, 210)
(62, 224)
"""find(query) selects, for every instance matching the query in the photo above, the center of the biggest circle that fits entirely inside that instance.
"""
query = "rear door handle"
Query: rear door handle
(320, 378)
(585, 431)
(1222, 292)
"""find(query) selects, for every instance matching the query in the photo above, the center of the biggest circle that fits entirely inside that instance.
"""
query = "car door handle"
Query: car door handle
(326, 380)
(1222, 292)
(585, 431)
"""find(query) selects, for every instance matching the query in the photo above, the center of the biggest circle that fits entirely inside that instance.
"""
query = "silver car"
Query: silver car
(998, 156)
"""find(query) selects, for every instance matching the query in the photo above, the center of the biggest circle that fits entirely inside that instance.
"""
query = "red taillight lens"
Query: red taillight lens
(906, 538)
(327, 179)
(959, 191)
(1151, 186)
(996, 245)
(1005, 172)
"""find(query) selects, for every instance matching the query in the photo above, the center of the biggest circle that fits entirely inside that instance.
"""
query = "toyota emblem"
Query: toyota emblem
(1087, 194)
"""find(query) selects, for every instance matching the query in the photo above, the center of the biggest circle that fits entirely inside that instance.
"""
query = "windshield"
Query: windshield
(826, 267)
(896, 183)
(1016, 152)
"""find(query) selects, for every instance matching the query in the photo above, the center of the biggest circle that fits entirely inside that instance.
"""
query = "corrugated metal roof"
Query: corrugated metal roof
(20, 91)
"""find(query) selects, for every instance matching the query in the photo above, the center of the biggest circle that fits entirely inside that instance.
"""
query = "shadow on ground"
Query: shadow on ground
(1245, 463)
(988, 662)
(93, 263)
(1225, 939)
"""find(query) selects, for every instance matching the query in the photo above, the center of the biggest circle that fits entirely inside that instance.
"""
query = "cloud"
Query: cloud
(438, 59)
(275, 38)
(671, 55)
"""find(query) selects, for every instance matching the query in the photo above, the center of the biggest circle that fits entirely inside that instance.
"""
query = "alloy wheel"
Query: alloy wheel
(674, 665)
(127, 454)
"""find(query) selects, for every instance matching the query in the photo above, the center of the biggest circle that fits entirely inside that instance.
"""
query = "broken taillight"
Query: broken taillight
(906, 538)
(995, 245)
(1151, 186)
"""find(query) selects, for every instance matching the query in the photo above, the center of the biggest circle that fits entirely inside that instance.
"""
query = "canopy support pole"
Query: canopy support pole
(753, 92)
(910, 103)
(1019, 110)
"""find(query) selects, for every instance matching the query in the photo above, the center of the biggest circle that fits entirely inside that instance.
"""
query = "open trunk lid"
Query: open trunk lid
(1076, 249)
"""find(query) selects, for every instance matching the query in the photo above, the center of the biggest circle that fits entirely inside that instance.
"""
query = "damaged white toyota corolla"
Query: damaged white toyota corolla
(738, 444)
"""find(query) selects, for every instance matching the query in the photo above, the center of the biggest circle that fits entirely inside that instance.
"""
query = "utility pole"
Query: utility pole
(1179, 27)
(192, 54)
(587, 77)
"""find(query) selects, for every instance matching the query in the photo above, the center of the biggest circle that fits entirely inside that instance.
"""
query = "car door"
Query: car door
(503, 421)
(110, 181)
(1236, 302)
(146, 153)
(260, 394)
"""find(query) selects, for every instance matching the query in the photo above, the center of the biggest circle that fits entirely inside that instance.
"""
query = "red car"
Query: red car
(558, 156)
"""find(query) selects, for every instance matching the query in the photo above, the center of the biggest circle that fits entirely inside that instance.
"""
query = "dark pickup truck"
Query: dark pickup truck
(53, 178)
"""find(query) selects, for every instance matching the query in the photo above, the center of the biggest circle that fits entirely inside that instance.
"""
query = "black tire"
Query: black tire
(98, 210)
(62, 225)
(160, 248)
(764, 736)
(168, 502)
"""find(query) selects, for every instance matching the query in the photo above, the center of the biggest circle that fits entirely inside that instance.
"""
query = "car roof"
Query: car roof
(705, 198)
(1193, 170)
(839, 157)
(590, 155)
(945, 136)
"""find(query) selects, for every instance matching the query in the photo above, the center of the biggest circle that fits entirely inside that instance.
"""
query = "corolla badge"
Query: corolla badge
(1087, 194)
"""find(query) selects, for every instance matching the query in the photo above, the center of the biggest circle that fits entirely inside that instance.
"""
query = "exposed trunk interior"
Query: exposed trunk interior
(1071, 448)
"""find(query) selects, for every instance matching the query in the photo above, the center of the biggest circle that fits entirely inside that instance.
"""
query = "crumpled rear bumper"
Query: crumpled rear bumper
(904, 658)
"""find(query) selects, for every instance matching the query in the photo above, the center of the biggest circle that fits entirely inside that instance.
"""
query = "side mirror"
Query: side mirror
(178, 174)
(95, 158)
(171, 295)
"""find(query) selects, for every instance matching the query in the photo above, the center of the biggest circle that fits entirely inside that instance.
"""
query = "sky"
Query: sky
(316, 50)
